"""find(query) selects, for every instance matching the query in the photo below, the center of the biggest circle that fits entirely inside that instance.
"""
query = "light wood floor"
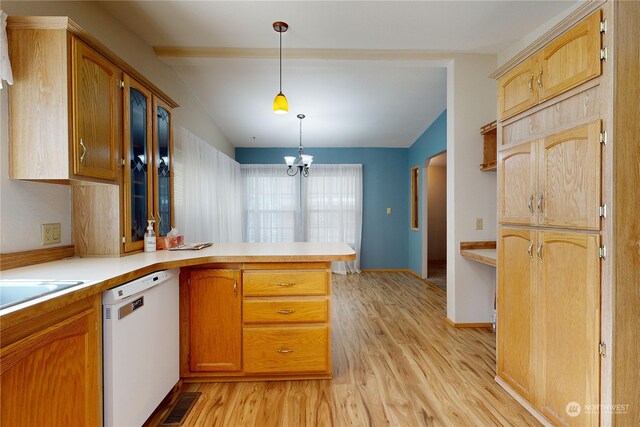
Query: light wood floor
(395, 363)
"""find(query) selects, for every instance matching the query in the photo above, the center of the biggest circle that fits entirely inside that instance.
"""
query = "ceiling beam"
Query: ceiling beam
(219, 52)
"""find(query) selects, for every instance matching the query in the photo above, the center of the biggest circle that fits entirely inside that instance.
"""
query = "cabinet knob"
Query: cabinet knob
(540, 197)
(530, 84)
(235, 288)
(84, 151)
(530, 204)
(539, 252)
(285, 284)
(285, 311)
(285, 350)
(540, 78)
(529, 250)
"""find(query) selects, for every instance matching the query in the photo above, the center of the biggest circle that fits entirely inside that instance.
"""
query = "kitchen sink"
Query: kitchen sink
(13, 292)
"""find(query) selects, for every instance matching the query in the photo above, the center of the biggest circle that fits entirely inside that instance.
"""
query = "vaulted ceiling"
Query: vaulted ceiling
(362, 72)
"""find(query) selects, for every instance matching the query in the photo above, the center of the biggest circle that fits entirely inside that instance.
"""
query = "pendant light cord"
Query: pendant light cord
(280, 62)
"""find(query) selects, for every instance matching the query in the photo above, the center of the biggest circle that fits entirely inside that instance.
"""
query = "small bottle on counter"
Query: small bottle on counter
(150, 238)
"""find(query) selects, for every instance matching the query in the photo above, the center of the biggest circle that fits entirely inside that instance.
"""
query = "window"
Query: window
(415, 206)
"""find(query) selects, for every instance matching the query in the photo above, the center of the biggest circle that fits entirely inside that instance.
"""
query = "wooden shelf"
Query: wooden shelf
(489, 152)
(482, 252)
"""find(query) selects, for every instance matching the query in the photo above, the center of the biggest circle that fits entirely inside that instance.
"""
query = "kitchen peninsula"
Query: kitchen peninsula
(281, 294)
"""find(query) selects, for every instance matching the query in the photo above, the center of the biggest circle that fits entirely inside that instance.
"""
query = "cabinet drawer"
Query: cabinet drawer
(274, 283)
(284, 310)
(286, 349)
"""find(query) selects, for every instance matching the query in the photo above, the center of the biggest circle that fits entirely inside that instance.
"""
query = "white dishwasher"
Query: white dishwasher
(141, 347)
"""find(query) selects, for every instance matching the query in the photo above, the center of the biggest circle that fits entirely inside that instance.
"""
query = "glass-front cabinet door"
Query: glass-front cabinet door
(163, 182)
(138, 161)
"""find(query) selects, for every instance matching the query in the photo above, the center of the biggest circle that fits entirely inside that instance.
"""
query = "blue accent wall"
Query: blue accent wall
(432, 142)
(384, 237)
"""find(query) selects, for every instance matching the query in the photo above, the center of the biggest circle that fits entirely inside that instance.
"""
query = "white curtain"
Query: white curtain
(5, 65)
(333, 209)
(272, 204)
(207, 191)
(325, 207)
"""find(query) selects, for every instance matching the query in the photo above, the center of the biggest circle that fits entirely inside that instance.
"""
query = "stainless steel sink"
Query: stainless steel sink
(14, 292)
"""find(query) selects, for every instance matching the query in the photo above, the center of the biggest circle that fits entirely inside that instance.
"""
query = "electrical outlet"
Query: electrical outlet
(478, 223)
(50, 233)
(388, 211)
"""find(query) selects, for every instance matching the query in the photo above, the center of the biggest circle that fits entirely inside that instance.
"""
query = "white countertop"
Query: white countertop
(114, 271)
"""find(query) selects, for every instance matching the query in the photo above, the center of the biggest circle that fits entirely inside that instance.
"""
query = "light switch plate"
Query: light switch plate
(50, 233)
(478, 223)
(388, 211)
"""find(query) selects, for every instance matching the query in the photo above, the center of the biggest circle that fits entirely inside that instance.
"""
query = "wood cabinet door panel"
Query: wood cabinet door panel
(571, 59)
(517, 90)
(569, 178)
(97, 100)
(516, 296)
(215, 321)
(569, 323)
(53, 376)
(137, 186)
(516, 184)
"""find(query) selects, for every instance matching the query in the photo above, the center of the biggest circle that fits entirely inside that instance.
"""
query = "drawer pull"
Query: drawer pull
(285, 311)
(285, 284)
(285, 350)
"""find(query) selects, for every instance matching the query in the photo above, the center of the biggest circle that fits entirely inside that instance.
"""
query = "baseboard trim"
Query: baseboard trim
(37, 256)
(525, 404)
(467, 325)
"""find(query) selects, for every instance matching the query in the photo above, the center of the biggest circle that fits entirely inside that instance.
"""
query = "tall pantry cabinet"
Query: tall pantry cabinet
(568, 260)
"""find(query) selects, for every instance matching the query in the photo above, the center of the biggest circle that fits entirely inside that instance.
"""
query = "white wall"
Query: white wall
(471, 194)
(437, 212)
(519, 45)
(26, 205)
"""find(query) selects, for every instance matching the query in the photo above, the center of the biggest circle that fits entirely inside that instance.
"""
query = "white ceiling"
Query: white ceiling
(348, 102)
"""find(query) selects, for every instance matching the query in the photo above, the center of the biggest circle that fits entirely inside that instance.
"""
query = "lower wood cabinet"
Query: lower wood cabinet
(267, 320)
(52, 367)
(549, 320)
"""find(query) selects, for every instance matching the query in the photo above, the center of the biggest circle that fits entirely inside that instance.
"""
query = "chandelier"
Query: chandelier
(302, 162)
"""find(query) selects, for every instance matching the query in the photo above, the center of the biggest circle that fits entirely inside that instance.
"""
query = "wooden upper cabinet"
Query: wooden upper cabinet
(96, 113)
(569, 178)
(517, 90)
(516, 296)
(568, 61)
(569, 322)
(215, 320)
(517, 184)
(571, 59)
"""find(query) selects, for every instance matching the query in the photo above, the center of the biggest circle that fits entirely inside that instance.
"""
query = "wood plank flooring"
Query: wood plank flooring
(395, 363)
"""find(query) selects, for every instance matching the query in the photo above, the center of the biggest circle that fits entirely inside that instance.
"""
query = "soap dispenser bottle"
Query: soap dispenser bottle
(150, 238)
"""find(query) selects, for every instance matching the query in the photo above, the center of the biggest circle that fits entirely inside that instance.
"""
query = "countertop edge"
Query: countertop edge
(53, 302)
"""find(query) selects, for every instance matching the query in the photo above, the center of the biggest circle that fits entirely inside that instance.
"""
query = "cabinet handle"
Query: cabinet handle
(285, 350)
(84, 151)
(235, 288)
(540, 197)
(539, 252)
(285, 284)
(530, 204)
(530, 84)
(529, 250)
(285, 311)
(540, 78)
